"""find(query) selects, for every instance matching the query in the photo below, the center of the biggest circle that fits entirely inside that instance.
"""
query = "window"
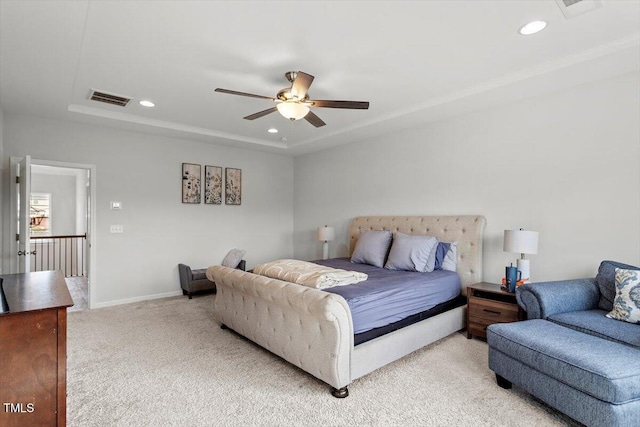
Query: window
(40, 214)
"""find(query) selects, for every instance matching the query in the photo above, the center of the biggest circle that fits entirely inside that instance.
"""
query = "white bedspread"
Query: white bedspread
(308, 274)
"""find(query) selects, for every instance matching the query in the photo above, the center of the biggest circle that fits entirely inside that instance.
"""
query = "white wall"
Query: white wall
(144, 173)
(573, 154)
(564, 164)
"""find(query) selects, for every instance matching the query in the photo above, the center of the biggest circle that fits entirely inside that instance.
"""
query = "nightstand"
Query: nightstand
(488, 304)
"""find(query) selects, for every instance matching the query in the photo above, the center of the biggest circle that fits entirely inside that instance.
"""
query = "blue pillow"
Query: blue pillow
(372, 248)
(412, 253)
(441, 253)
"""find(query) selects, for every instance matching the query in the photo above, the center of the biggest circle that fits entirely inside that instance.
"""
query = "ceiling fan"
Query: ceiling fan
(294, 103)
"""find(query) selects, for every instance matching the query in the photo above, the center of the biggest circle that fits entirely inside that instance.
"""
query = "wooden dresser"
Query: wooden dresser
(33, 350)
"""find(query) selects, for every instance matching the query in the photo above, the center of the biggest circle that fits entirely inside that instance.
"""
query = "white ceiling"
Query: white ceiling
(414, 62)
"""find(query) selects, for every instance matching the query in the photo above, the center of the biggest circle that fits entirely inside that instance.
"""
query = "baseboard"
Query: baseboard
(136, 299)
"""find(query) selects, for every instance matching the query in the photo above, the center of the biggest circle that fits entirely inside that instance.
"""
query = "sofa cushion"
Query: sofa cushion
(595, 322)
(604, 369)
(199, 274)
(626, 305)
(606, 281)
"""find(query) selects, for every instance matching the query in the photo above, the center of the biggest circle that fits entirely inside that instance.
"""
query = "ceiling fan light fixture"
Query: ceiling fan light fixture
(293, 110)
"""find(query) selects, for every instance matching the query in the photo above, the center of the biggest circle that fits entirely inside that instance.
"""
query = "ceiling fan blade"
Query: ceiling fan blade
(301, 84)
(251, 95)
(314, 120)
(354, 105)
(261, 113)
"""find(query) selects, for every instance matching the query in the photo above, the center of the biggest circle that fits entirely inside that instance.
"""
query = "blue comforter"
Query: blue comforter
(388, 296)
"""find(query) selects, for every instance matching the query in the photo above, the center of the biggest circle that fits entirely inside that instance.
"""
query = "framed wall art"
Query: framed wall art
(213, 185)
(233, 186)
(191, 183)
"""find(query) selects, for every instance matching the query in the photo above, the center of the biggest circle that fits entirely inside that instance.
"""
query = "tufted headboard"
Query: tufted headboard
(467, 230)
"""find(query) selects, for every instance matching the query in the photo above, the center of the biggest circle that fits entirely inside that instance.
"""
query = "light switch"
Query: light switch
(116, 205)
(116, 229)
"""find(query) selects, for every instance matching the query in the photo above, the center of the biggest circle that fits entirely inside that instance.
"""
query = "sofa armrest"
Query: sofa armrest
(185, 275)
(543, 299)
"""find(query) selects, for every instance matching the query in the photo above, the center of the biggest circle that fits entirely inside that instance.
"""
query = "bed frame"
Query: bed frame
(313, 329)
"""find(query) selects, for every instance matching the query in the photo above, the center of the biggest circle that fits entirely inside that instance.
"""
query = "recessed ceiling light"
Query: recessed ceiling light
(532, 28)
(272, 130)
(146, 103)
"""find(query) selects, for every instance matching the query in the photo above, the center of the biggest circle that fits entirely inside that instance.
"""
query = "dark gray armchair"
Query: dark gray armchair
(193, 281)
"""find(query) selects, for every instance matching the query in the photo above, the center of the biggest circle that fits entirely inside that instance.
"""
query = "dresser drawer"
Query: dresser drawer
(486, 312)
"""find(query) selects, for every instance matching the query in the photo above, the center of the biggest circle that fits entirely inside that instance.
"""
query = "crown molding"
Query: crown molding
(162, 124)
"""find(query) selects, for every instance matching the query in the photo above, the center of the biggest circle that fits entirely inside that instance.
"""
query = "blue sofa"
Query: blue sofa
(569, 354)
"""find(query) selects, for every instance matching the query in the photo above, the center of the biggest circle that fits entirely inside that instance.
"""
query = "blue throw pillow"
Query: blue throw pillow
(606, 281)
(372, 248)
(441, 253)
(447, 256)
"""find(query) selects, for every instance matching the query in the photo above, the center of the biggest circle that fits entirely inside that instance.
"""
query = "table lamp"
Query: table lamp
(326, 234)
(522, 242)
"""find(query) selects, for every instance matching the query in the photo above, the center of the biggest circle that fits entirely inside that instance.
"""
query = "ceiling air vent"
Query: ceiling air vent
(573, 8)
(109, 98)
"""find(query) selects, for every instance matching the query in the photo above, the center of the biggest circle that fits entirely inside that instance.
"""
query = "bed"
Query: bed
(313, 329)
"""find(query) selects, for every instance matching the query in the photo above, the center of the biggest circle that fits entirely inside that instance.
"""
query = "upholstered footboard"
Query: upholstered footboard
(307, 327)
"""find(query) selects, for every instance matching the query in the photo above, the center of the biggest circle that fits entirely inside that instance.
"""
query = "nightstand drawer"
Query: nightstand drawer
(486, 311)
(488, 304)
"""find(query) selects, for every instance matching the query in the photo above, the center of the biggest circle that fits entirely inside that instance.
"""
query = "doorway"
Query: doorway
(55, 222)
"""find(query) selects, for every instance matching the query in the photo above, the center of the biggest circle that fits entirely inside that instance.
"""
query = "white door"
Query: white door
(24, 194)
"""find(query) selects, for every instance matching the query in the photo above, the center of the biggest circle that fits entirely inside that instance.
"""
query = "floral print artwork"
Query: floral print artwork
(233, 186)
(213, 185)
(190, 183)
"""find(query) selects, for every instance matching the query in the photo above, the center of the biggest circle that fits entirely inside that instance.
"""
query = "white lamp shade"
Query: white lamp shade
(292, 110)
(326, 234)
(520, 241)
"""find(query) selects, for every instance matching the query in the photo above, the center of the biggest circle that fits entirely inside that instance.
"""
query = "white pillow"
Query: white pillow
(412, 253)
(233, 258)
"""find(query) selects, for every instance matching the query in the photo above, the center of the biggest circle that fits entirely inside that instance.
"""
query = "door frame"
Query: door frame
(91, 214)
(23, 169)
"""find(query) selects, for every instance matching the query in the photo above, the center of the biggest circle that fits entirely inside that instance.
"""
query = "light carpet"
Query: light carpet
(167, 363)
